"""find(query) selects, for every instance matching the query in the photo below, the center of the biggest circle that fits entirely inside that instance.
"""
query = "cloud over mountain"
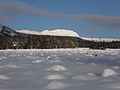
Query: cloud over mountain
(100, 20)
(17, 8)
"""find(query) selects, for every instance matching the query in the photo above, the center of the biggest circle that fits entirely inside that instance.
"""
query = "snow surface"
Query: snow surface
(60, 69)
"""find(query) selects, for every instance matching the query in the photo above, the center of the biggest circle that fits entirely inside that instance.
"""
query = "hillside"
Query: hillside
(12, 39)
(4, 30)
(17, 40)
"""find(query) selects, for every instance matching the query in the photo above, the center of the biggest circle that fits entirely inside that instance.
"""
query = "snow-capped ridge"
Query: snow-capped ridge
(29, 32)
(60, 32)
(4, 30)
(57, 32)
(100, 39)
(64, 32)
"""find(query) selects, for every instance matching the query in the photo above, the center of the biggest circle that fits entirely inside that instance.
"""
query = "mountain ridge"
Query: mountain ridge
(56, 32)
(11, 39)
(68, 32)
(4, 30)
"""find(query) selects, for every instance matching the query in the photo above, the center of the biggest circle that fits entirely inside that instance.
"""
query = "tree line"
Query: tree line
(50, 42)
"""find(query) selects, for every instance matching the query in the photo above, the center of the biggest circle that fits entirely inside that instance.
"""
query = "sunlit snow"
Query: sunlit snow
(60, 69)
(57, 32)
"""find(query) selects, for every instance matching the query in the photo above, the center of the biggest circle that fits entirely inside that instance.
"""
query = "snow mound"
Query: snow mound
(49, 57)
(116, 67)
(36, 61)
(3, 77)
(60, 32)
(56, 85)
(57, 68)
(54, 77)
(9, 66)
(54, 61)
(109, 72)
(89, 76)
(2, 57)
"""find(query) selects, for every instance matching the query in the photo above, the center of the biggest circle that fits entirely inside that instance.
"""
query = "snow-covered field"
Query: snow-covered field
(60, 69)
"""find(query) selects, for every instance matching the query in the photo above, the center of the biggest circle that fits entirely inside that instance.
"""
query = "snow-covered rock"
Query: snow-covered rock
(109, 72)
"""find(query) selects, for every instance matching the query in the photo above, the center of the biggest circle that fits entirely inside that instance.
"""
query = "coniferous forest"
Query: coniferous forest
(10, 39)
(38, 42)
(50, 42)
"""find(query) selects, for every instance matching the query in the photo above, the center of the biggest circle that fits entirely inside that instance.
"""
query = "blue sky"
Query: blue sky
(83, 16)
